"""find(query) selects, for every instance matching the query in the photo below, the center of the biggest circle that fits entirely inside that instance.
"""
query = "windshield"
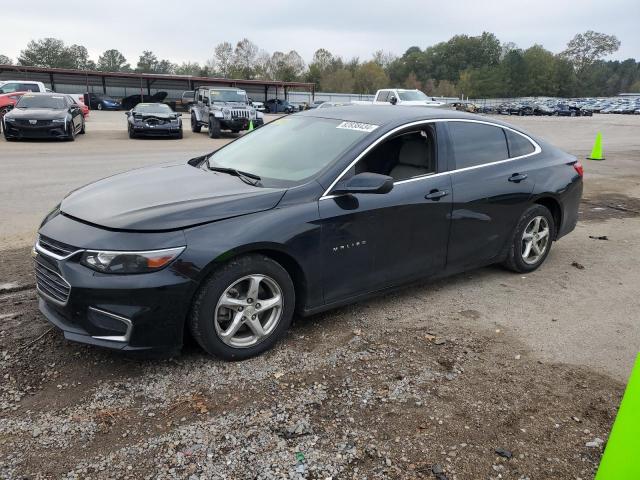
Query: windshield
(152, 108)
(42, 101)
(228, 96)
(273, 152)
(410, 95)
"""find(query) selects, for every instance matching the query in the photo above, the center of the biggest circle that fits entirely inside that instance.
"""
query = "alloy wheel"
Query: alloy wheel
(535, 240)
(248, 311)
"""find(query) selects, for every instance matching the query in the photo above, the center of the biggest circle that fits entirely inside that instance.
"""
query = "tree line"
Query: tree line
(475, 66)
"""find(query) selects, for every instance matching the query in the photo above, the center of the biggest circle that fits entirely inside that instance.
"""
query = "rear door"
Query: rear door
(491, 189)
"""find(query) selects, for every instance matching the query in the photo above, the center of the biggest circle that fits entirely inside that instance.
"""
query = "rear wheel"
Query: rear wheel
(243, 308)
(195, 127)
(214, 127)
(531, 240)
(100, 106)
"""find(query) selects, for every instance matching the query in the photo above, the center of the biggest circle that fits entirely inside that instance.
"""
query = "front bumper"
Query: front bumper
(15, 130)
(124, 312)
(163, 130)
(240, 123)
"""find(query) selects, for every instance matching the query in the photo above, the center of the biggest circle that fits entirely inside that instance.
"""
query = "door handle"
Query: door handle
(436, 194)
(518, 177)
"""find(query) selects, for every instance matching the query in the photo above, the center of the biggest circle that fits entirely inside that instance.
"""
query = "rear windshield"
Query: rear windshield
(152, 108)
(42, 101)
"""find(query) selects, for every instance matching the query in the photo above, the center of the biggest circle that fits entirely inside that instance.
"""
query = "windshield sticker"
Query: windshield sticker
(361, 127)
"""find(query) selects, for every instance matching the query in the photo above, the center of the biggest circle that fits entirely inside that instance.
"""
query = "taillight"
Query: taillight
(578, 168)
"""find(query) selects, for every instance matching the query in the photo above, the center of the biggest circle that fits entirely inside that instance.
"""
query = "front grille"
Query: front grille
(55, 247)
(39, 123)
(155, 121)
(240, 113)
(51, 284)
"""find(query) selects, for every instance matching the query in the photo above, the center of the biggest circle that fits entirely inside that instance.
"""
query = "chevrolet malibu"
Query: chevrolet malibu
(230, 245)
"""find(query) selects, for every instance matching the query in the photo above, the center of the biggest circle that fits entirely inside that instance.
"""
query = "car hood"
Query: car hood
(37, 113)
(166, 197)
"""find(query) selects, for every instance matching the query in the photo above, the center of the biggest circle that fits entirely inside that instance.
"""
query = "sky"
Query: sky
(188, 30)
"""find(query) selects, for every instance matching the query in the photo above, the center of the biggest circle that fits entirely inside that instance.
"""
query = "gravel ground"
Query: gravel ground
(485, 375)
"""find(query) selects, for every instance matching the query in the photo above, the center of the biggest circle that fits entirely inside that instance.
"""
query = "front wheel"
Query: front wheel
(214, 127)
(531, 240)
(195, 126)
(99, 106)
(82, 129)
(243, 308)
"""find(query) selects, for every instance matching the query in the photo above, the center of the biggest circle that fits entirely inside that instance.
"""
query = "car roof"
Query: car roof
(389, 115)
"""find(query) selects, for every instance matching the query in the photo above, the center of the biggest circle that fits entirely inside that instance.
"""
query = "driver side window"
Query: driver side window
(406, 155)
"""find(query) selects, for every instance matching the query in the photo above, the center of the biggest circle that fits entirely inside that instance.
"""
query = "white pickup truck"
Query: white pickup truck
(401, 96)
(10, 86)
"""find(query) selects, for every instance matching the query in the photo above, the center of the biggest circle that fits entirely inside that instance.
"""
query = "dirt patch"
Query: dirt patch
(348, 394)
(605, 206)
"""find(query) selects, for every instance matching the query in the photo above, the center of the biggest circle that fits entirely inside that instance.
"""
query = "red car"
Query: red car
(79, 99)
(7, 99)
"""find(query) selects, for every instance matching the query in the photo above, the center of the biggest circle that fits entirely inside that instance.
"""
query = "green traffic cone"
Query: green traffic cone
(596, 152)
(250, 125)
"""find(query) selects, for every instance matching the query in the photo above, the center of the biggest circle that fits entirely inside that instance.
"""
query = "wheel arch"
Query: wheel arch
(275, 252)
(553, 205)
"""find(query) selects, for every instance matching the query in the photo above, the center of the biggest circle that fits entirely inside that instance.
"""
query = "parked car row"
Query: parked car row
(557, 106)
(61, 116)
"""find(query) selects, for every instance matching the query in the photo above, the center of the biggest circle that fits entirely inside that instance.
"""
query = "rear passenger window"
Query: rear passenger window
(383, 96)
(477, 143)
(518, 145)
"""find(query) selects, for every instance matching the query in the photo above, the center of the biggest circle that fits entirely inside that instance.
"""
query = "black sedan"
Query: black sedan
(230, 245)
(43, 115)
(154, 119)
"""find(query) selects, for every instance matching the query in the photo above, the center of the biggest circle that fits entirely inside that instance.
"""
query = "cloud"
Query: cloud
(188, 31)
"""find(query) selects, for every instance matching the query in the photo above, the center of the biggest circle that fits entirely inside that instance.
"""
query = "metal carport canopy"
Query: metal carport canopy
(92, 78)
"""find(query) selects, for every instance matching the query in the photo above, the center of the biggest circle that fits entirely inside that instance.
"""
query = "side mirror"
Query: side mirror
(205, 101)
(128, 113)
(365, 183)
(9, 107)
(393, 100)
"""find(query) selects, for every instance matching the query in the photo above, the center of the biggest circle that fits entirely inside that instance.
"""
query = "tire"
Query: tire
(516, 259)
(131, 133)
(214, 127)
(82, 129)
(72, 135)
(180, 134)
(195, 128)
(99, 106)
(208, 320)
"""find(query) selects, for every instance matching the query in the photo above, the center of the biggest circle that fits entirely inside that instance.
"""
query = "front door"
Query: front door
(374, 241)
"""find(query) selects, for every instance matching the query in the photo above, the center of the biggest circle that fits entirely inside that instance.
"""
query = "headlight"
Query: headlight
(8, 119)
(129, 262)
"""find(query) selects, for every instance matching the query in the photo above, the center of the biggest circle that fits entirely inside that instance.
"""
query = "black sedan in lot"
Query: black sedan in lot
(228, 246)
(43, 115)
(154, 119)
